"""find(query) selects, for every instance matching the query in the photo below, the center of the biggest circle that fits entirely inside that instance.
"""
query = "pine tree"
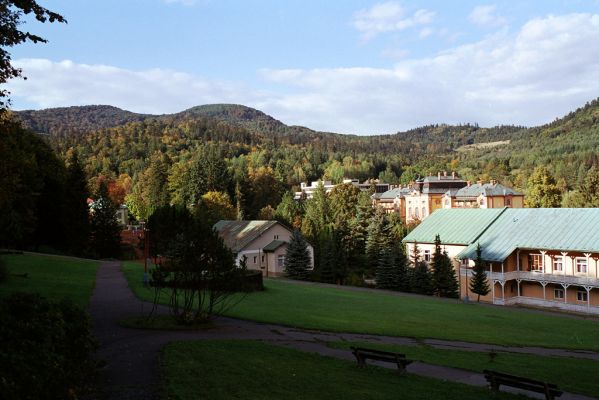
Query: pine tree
(77, 230)
(104, 228)
(328, 256)
(421, 279)
(401, 271)
(444, 279)
(297, 259)
(379, 240)
(386, 272)
(478, 282)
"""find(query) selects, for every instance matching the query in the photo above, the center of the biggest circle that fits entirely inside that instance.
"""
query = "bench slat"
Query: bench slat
(497, 379)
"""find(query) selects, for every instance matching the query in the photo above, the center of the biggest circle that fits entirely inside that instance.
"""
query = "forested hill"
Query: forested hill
(77, 119)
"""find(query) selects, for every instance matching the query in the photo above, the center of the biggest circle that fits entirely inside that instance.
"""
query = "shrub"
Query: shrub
(46, 348)
(3, 271)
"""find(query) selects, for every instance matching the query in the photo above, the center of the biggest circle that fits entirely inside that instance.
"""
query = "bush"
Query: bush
(3, 271)
(46, 348)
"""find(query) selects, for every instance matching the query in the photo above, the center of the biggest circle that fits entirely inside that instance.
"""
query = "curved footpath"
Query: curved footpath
(132, 355)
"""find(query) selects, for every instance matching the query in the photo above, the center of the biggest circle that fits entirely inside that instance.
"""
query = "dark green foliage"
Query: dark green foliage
(104, 228)
(46, 349)
(386, 271)
(77, 230)
(198, 273)
(402, 271)
(445, 282)
(208, 173)
(328, 257)
(379, 240)
(4, 272)
(297, 259)
(421, 280)
(478, 281)
(164, 225)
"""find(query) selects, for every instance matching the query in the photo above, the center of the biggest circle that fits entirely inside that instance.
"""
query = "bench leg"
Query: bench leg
(360, 359)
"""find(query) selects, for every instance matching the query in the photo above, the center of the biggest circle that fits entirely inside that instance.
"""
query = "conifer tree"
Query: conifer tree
(104, 228)
(444, 279)
(77, 230)
(328, 256)
(421, 279)
(379, 240)
(478, 282)
(297, 259)
(386, 272)
(401, 270)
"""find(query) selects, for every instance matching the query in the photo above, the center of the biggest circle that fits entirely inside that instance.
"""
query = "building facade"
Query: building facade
(307, 191)
(262, 243)
(483, 195)
(535, 257)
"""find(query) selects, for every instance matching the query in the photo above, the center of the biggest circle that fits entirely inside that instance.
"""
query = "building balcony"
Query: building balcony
(557, 278)
(558, 305)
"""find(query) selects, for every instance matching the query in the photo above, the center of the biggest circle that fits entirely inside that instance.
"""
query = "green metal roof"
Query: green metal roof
(563, 229)
(272, 246)
(454, 226)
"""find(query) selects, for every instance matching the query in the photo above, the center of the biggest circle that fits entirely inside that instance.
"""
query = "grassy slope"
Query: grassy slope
(205, 369)
(570, 374)
(51, 276)
(329, 309)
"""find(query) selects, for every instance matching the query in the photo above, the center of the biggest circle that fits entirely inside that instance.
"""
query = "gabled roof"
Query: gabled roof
(454, 225)
(238, 234)
(272, 246)
(487, 189)
(393, 193)
(563, 229)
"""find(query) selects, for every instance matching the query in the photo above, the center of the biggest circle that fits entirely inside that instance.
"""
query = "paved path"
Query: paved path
(132, 355)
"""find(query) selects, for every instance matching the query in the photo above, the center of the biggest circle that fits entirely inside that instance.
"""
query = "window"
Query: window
(508, 202)
(446, 202)
(281, 261)
(410, 212)
(581, 265)
(558, 293)
(416, 213)
(262, 258)
(427, 255)
(558, 263)
(255, 259)
(535, 262)
(581, 295)
(276, 237)
(464, 262)
(482, 202)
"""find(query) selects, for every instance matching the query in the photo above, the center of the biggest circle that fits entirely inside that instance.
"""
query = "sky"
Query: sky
(347, 66)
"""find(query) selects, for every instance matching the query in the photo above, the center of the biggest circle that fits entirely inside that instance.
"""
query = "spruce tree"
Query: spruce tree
(386, 272)
(478, 282)
(444, 279)
(328, 256)
(104, 228)
(297, 259)
(77, 230)
(401, 271)
(421, 279)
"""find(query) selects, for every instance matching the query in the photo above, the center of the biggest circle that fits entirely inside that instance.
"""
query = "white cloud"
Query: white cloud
(388, 17)
(425, 32)
(486, 16)
(544, 70)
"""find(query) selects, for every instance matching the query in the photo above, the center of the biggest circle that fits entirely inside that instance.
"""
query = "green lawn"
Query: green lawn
(53, 277)
(206, 369)
(330, 309)
(570, 374)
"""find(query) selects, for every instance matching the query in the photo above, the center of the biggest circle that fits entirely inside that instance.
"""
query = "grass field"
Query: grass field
(53, 277)
(331, 309)
(570, 374)
(205, 369)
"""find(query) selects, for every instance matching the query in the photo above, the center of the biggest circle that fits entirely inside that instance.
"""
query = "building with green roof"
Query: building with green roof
(537, 257)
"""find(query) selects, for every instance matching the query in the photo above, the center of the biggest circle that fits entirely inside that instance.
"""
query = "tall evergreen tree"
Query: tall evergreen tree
(421, 280)
(401, 270)
(379, 240)
(444, 279)
(104, 228)
(479, 283)
(297, 259)
(77, 230)
(328, 257)
(386, 271)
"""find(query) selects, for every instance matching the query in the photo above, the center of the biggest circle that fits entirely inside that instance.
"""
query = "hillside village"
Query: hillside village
(296, 200)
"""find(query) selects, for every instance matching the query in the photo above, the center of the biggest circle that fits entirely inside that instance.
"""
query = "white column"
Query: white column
(588, 255)
(493, 290)
(503, 291)
(501, 268)
(564, 262)
(518, 281)
(544, 284)
(588, 288)
(543, 259)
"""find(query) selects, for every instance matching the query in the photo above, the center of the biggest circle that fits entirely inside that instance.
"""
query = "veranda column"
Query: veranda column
(564, 262)
(543, 252)
(588, 255)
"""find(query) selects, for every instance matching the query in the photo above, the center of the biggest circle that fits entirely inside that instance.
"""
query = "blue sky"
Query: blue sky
(346, 66)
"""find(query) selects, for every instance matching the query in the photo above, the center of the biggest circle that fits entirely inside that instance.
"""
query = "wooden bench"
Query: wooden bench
(363, 354)
(497, 379)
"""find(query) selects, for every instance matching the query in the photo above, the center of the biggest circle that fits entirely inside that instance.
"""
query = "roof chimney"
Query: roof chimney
(493, 182)
(468, 183)
(439, 175)
(453, 174)
(444, 173)
(479, 182)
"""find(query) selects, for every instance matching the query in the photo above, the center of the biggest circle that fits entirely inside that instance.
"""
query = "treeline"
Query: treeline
(43, 199)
